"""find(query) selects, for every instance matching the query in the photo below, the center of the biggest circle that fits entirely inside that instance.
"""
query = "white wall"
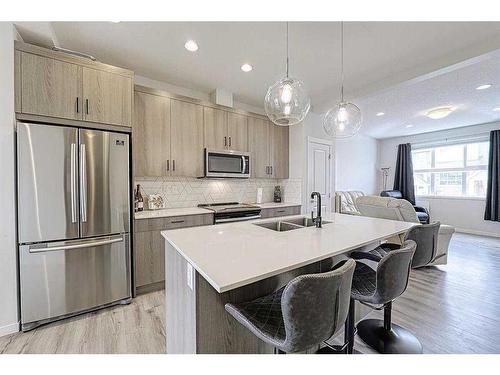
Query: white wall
(466, 214)
(8, 263)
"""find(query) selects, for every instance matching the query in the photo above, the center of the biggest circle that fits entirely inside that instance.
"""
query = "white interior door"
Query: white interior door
(319, 174)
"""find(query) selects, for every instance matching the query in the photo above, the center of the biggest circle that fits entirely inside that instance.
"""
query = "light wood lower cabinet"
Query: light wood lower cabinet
(149, 245)
(280, 211)
(187, 139)
(151, 135)
(50, 87)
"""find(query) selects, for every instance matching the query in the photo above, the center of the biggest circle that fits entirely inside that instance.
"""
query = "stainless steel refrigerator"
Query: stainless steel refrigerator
(74, 221)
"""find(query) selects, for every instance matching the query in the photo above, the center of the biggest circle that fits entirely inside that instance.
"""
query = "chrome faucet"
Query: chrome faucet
(316, 220)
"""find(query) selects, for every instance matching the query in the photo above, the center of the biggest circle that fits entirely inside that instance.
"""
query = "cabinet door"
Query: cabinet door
(186, 139)
(151, 135)
(50, 87)
(237, 131)
(107, 97)
(215, 128)
(258, 146)
(149, 258)
(279, 151)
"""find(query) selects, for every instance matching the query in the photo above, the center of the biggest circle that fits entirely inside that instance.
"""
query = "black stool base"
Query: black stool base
(396, 341)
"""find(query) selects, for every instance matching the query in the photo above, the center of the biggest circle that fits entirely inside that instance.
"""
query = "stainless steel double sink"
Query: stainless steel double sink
(285, 225)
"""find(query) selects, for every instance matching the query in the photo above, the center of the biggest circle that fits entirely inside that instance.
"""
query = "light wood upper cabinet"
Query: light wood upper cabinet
(237, 131)
(151, 135)
(215, 128)
(187, 139)
(279, 151)
(49, 87)
(107, 97)
(258, 146)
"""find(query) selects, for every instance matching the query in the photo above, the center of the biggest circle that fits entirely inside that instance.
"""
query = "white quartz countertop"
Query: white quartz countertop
(169, 212)
(232, 255)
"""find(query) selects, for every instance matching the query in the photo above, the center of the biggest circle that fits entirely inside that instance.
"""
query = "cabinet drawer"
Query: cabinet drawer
(280, 211)
(173, 222)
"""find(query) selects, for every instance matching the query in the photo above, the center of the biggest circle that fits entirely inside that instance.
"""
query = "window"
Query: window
(456, 170)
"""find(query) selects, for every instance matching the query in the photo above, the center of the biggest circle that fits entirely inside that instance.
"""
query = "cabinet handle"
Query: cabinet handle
(177, 221)
(280, 211)
(77, 104)
(267, 169)
(225, 141)
(229, 141)
(271, 169)
(86, 106)
(173, 165)
(168, 165)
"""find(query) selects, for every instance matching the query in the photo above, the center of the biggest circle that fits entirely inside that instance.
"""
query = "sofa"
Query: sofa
(402, 210)
(345, 201)
(422, 213)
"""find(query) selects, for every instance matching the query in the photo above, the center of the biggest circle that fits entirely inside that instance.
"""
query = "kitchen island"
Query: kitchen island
(206, 267)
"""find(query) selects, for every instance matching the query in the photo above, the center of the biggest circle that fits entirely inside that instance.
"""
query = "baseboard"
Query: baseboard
(150, 288)
(8, 329)
(477, 232)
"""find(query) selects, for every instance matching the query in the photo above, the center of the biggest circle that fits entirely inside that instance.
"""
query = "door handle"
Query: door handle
(73, 182)
(36, 249)
(83, 183)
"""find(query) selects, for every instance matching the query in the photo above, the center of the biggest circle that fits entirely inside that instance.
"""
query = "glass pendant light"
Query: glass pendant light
(287, 102)
(343, 120)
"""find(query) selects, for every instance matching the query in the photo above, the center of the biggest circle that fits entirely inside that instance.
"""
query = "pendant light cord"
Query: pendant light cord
(287, 49)
(342, 61)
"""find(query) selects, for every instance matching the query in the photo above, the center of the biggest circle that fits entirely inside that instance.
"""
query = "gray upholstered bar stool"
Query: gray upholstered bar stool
(306, 312)
(426, 238)
(380, 287)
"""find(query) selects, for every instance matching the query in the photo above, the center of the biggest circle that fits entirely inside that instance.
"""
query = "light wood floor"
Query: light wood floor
(451, 309)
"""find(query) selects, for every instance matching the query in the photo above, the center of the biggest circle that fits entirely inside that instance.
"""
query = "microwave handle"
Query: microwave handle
(244, 163)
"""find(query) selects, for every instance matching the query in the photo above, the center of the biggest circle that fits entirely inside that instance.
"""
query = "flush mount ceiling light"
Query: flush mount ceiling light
(191, 46)
(483, 87)
(438, 113)
(246, 68)
(343, 120)
(409, 126)
(286, 101)
(380, 114)
(496, 109)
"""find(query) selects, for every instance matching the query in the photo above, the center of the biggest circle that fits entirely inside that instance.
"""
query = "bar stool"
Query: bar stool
(426, 238)
(306, 312)
(380, 287)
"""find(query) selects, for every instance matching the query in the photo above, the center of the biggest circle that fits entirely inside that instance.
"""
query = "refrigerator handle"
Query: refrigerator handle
(73, 182)
(83, 183)
(76, 246)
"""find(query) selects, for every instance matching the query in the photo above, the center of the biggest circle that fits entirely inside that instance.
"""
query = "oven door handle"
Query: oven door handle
(233, 219)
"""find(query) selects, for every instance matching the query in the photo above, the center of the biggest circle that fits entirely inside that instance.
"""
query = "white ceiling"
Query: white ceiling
(379, 56)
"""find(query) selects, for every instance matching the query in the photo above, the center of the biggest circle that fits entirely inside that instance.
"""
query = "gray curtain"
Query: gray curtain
(492, 211)
(403, 177)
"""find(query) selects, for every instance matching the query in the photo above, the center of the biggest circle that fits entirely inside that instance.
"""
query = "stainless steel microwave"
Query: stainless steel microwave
(227, 164)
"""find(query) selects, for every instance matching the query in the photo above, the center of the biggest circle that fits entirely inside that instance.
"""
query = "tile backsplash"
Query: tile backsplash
(180, 192)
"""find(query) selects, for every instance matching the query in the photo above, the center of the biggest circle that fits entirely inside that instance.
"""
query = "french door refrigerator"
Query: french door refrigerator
(74, 221)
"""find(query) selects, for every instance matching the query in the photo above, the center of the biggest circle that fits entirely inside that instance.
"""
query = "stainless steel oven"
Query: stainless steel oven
(227, 164)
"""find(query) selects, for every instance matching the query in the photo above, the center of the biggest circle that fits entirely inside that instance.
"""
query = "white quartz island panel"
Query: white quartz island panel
(232, 255)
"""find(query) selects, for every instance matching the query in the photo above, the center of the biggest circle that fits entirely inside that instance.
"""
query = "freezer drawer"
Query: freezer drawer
(47, 170)
(104, 183)
(67, 277)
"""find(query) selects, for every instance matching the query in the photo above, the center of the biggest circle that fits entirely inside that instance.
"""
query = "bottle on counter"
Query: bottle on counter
(138, 199)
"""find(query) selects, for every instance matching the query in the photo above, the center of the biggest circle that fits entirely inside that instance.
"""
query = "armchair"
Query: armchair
(402, 210)
(422, 213)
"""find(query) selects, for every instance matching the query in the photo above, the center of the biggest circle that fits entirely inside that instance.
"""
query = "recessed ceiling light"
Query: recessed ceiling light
(483, 87)
(246, 68)
(380, 114)
(440, 112)
(496, 109)
(191, 46)
(115, 21)
(409, 126)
